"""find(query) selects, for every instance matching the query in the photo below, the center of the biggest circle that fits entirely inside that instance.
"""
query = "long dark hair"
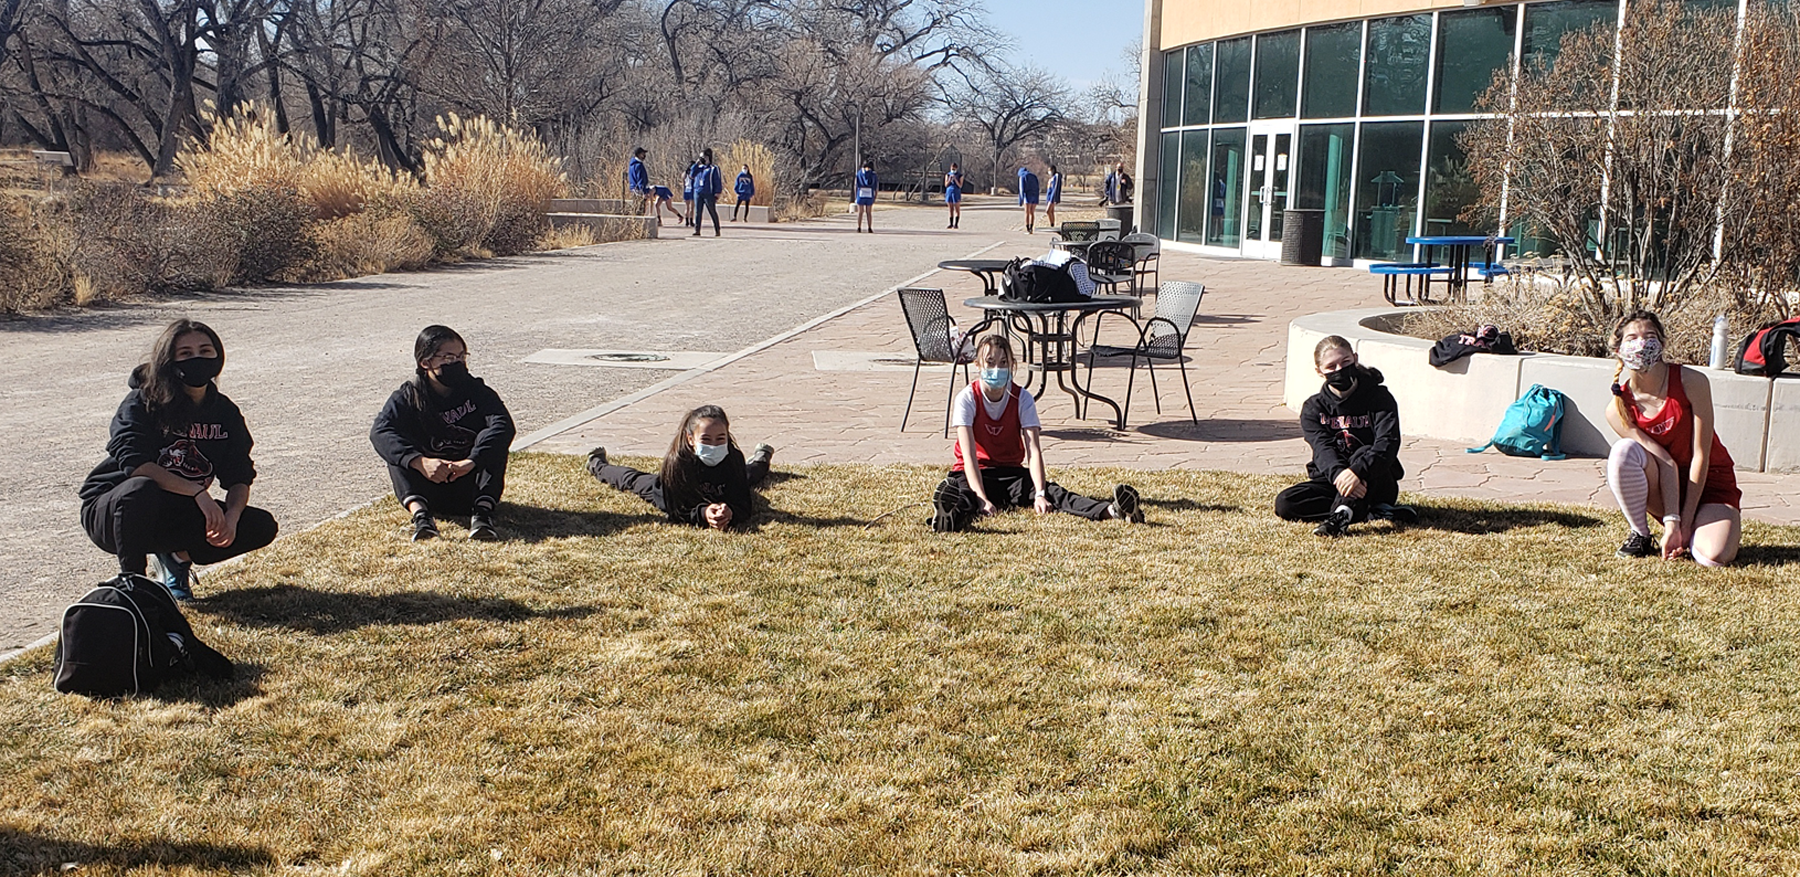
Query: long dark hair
(680, 464)
(430, 340)
(171, 408)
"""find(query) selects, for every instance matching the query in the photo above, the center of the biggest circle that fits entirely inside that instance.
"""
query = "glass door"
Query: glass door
(1271, 165)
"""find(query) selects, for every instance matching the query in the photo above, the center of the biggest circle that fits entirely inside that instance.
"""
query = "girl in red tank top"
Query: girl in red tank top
(1668, 461)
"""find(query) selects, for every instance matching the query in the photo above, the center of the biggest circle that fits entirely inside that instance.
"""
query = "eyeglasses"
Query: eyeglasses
(447, 358)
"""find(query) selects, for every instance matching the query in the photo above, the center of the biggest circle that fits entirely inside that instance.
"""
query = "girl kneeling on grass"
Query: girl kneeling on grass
(445, 435)
(705, 480)
(1353, 426)
(173, 437)
(1000, 458)
(1668, 462)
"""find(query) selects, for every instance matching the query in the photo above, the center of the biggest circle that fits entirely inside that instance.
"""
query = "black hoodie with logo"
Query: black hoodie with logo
(1359, 431)
(216, 446)
(471, 423)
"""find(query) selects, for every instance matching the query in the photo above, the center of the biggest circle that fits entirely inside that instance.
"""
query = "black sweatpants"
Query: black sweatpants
(711, 203)
(648, 485)
(1314, 500)
(477, 491)
(1009, 487)
(740, 205)
(139, 518)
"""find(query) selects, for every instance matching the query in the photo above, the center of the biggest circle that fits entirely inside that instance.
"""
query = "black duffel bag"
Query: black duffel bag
(1030, 281)
(127, 636)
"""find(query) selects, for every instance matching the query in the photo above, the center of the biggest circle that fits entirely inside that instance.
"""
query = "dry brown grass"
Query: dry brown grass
(762, 169)
(1217, 692)
(32, 277)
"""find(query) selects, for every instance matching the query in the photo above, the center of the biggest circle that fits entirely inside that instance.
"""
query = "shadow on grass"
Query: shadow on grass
(1187, 505)
(1768, 555)
(23, 852)
(245, 683)
(321, 612)
(519, 523)
(1479, 522)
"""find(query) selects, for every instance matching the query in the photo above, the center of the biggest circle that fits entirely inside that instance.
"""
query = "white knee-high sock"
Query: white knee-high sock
(1630, 486)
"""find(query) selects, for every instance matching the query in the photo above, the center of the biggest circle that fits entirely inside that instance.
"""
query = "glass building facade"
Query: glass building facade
(1356, 119)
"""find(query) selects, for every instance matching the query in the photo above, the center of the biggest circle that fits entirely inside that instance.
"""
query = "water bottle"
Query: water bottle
(1720, 342)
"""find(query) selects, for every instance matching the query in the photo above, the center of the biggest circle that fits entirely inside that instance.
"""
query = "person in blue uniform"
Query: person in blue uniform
(866, 186)
(707, 187)
(953, 185)
(1028, 196)
(637, 180)
(745, 188)
(1053, 196)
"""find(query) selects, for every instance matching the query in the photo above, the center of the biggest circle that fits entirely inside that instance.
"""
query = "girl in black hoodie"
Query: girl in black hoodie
(1353, 426)
(445, 436)
(173, 438)
(705, 480)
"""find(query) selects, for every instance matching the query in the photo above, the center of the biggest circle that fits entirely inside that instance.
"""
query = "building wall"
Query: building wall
(1191, 21)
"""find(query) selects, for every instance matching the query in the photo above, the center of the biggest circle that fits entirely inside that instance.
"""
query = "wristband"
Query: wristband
(1668, 518)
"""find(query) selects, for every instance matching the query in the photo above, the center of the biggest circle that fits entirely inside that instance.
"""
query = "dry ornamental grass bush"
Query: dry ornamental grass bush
(368, 242)
(762, 169)
(487, 188)
(33, 271)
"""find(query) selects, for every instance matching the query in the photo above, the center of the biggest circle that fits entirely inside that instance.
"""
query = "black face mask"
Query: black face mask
(199, 371)
(1344, 379)
(454, 374)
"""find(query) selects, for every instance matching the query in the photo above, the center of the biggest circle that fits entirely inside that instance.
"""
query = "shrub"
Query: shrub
(370, 242)
(487, 188)
(127, 242)
(33, 273)
(246, 177)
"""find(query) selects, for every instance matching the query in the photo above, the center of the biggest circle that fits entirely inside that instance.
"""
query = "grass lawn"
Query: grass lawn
(1216, 692)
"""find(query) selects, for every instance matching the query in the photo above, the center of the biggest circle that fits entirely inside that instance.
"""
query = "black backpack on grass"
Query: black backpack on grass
(127, 636)
(1764, 351)
(1030, 281)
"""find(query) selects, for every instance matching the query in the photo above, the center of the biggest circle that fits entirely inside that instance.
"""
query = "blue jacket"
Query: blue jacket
(706, 181)
(745, 187)
(867, 180)
(1028, 186)
(637, 177)
(1055, 194)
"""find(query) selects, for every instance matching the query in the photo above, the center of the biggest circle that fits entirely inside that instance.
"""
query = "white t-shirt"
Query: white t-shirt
(962, 412)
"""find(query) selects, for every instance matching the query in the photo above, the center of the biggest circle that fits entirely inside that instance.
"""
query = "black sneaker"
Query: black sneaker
(1638, 545)
(1126, 506)
(481, 527)
(1335, 524)
(596, 459)
(1400, 515)
(943, 509)
(423, 526)
(764, 453)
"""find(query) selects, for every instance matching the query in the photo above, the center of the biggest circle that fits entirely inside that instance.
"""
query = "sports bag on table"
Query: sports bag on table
(1033, 281)
(1764, 351)
(1532, 426)
(127, 636)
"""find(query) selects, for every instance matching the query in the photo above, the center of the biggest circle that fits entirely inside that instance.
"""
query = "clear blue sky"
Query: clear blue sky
(1079, 40)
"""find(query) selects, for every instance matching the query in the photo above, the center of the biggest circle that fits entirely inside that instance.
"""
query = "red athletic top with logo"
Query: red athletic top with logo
(998, 442)
(1673, 428)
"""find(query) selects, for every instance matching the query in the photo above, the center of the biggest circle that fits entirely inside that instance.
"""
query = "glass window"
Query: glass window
(1472, 45)
(1231, 82)
(1387, 189)
(1199, 85)
(1394, 83)
(1333, 56)
(1545, 24)
(1449, 186)
(1277, 74)
(1193, 187)
(1171, 105)
(1225, 190)
(1325, 181)
(1168, 186)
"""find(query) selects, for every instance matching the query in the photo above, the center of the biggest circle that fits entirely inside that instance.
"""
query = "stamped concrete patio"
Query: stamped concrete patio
(850, 409)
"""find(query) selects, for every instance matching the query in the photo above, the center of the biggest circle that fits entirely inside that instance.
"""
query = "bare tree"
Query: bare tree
(1009, 105)
(1761, 234)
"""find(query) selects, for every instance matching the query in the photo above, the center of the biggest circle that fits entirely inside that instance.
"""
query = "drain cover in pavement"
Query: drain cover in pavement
(672, 360)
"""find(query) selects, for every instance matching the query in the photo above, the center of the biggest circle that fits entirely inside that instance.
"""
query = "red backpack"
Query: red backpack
(1764, 351)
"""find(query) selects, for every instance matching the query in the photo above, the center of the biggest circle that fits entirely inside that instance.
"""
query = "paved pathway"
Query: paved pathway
(311, 366)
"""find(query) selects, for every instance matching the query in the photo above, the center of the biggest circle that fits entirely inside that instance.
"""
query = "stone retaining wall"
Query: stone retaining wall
(1758, 419)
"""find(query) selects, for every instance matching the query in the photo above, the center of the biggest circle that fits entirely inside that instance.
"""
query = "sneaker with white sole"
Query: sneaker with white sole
(423, 526)
(1638, 545)
(481, 527)
(1126, 505)
(764, 453)
(945, 505)
(1335, 524)
(596, 459)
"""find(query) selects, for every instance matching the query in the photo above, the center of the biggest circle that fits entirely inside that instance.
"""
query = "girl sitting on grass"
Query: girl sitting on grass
(173, 438)
(445, 436)
(705, 480)
(1353, 426)
(1000, 458)
(1668, 462)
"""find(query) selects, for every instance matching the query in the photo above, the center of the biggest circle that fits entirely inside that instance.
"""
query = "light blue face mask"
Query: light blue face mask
(712, 455)
(996, 378)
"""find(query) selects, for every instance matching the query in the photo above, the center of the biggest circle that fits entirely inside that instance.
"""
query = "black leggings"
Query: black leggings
(711, 203)
(1010, 487)
(745, 205)
(138, 518)
(477, 491)
(1314, 500)
(648, 485)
